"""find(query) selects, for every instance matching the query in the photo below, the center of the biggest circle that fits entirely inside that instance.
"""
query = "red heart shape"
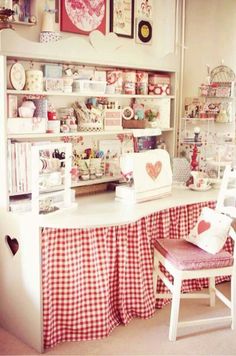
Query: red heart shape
(203, 226)
(153, 170)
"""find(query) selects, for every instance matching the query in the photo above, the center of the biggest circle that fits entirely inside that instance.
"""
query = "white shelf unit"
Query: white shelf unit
(214, 136)
(21, 307)
(59, 99)
(187, 136)
(22, 23)
(82, 95)
(50, 182)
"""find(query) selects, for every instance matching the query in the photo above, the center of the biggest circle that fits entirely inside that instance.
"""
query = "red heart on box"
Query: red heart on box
(203, 226)
(153, 170)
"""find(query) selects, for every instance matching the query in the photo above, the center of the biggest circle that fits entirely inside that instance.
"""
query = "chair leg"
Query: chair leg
(175, 308)
(212, 293)
(233, 302)
(155, 273)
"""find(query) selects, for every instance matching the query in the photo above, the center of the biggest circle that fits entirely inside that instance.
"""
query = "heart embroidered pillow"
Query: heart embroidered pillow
(211, 231)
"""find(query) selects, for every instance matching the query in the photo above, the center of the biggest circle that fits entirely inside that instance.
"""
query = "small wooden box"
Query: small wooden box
(134, 124)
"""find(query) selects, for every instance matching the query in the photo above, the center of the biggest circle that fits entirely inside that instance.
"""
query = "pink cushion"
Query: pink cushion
(211, 230)
(187, 256)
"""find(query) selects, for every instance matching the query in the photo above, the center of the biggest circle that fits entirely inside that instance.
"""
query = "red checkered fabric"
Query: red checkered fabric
(95, 279)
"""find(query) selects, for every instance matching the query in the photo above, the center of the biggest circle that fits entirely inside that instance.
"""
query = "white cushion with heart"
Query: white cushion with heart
(211, 231)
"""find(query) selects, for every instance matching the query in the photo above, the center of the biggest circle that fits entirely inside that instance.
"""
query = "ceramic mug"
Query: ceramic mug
(201, 183)
(200, 180)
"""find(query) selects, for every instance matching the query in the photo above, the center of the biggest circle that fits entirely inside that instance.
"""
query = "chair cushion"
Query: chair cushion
(186, 256)
(211, 230)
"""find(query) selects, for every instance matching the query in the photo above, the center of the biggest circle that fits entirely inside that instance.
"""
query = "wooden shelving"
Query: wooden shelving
(22, 23)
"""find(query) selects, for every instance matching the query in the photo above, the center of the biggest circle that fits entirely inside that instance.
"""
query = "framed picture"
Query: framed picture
(122, 17)
(83, 16)
(143, 31)
(144, 8)
(22, 10)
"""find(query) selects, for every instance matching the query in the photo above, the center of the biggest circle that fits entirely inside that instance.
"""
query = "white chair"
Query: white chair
(184, 260)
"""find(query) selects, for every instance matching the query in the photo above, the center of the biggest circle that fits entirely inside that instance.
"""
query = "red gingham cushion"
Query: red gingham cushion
(187, 256)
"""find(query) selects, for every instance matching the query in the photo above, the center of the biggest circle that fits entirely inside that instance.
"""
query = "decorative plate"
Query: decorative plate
(17, 76)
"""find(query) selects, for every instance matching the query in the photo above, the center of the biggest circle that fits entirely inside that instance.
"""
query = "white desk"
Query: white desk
(104, 210)
(100, 252)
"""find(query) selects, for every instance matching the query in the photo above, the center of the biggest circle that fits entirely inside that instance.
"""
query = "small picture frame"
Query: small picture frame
(122, 17)
(143, 31)
(144, 9)
(22, 10)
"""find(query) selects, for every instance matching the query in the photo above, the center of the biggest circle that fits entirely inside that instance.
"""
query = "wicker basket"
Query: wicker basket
(90, 126)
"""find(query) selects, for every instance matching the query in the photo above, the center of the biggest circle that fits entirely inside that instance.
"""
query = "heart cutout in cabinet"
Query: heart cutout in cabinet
(13, 244)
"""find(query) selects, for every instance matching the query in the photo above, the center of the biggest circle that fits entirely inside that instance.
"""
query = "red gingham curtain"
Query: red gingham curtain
(95, 279)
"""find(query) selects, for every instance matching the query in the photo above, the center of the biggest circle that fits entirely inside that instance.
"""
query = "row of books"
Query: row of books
(19, 167)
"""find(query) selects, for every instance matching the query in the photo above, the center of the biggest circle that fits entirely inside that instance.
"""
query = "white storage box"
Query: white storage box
(26, 125)
(112, 119)
(90, 87)
(163, 121)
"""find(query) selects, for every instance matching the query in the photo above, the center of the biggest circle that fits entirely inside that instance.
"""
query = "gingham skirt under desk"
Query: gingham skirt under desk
(95, 279)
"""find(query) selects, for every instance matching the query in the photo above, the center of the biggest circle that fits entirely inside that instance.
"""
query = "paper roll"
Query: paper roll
(48, 22)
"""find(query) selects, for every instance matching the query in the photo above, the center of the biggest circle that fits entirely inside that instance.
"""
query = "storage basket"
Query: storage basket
(90, 126)
(90, 87)
(134, 124)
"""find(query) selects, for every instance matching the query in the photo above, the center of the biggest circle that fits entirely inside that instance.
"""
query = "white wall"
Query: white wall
(164, 28)
(210, 37)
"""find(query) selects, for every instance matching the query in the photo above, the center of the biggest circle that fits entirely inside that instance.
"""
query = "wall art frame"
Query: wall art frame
(22, 10)
(82, 17)
(122, 17)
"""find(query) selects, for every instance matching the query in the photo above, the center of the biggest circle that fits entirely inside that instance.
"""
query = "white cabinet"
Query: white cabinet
(17, 130)
(21, 307)
(51, 179)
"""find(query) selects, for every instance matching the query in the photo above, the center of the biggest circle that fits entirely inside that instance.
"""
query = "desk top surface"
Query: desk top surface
(103, 210)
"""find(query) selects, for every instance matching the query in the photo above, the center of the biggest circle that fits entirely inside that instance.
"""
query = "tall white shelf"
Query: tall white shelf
(215, 140)
(21, 309)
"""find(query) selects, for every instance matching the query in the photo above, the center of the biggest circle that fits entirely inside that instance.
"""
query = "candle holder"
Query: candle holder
(4, 18)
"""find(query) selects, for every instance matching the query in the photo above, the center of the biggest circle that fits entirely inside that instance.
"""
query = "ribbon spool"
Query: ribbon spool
(127, 113)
